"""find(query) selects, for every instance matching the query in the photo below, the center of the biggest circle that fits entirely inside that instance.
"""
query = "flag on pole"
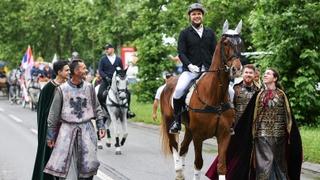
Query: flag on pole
(27, 60)
(55, 58)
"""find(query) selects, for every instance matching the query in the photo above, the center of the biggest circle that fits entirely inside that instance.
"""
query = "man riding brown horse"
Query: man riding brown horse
(209, 111)
(196, 46)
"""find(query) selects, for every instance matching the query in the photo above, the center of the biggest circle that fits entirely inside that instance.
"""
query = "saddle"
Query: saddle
(208, 109)
(188, 93)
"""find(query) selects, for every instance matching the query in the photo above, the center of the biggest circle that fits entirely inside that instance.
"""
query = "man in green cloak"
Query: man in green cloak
(61, 69)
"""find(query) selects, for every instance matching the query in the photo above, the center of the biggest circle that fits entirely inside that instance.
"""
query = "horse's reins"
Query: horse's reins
(219, 109)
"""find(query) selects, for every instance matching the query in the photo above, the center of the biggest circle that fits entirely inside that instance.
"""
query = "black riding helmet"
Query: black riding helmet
(196, 6)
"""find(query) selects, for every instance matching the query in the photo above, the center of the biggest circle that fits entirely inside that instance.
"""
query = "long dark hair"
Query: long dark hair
(276, 75)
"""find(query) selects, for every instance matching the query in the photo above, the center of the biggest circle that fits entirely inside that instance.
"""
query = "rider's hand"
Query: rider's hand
(154, 116)
(193, 68)
(50, 143)
(102, 133)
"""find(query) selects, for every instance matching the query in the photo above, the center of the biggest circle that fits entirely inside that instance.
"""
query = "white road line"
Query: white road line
(103, 176)
(15, 118)
(1, 110)
(34, 131)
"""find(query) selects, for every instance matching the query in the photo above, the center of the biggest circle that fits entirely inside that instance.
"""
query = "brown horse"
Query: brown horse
(209, 112)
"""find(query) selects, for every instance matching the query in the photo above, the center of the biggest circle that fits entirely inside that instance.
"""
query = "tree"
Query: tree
(288, 29)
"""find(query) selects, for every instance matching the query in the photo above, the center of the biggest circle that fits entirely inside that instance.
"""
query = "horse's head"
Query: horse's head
(119, 83)
(231, 45)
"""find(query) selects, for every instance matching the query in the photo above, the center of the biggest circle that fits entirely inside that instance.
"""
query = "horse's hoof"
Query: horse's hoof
(100, 147)
(118, 153)
(108, 145)
(179, 175)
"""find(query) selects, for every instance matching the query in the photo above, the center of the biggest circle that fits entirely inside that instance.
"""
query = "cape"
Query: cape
(43, 151)
(239, 151)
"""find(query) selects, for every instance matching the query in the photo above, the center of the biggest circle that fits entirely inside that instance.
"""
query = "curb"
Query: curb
(312, 167)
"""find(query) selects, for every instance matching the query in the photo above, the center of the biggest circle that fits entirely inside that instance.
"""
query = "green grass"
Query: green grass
(310, 136)
(144, 112)
(311, 144)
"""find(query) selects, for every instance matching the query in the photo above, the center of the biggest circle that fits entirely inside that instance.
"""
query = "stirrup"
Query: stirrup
(175, 128)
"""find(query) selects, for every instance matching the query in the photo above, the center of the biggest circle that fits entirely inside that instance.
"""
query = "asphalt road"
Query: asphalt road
(141, 157)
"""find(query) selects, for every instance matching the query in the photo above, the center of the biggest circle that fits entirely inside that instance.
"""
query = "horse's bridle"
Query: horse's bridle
(235, 55)
(118, 91)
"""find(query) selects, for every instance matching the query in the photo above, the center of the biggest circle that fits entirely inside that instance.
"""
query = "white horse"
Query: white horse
(117, 105)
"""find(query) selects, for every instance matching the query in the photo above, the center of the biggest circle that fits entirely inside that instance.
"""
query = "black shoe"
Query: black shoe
(130, 114)
(175, 128)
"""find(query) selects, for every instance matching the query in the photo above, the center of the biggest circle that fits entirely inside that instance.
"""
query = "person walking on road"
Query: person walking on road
(196, 46)
(61, 69)
(70, 131)
(244, 90)
(157, 97)
(267, 142)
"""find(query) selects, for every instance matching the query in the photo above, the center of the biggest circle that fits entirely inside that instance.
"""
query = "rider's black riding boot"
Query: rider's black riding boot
(176, 125)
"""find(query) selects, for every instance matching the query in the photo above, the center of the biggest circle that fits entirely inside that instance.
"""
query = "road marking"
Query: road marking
(34, 131)
(103, 176)
(1, 110)
(15, 118)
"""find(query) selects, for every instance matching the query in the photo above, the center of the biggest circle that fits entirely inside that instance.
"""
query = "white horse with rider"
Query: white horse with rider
(117, 105)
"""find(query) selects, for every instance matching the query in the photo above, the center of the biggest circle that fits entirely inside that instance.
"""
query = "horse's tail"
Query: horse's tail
(166, 147)
(167, 118)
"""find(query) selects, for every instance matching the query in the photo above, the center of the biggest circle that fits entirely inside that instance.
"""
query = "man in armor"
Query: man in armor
(244, 90)
(61, 69)
(70, 130)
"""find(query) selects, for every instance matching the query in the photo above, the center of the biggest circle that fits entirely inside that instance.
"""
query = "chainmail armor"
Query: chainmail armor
(271, 121)
(243, 94)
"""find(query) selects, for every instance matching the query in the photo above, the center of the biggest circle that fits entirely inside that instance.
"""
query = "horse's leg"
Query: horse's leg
(113, 112)
(173, 141)
(117, 134)
(198, 162)
(185, 146)
(223, 138)
(107, 123)
(124, 126)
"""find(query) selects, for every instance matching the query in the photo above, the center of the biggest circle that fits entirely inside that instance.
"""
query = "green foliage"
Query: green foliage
(152, 54)
(287, 30)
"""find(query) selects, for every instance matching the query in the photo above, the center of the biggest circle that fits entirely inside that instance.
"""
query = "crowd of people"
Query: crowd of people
(264, 126)
(69, 99)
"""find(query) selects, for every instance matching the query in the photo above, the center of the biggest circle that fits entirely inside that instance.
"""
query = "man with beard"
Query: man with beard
(196, 46)
(244, 90)
(61, 69)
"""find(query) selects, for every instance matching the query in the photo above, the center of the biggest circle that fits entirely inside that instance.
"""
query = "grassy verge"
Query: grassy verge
(144, 112)
(310, 136)
(311, 144)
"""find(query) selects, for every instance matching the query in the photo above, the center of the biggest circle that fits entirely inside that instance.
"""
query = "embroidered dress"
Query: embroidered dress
(267, 143)
(270, 136)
